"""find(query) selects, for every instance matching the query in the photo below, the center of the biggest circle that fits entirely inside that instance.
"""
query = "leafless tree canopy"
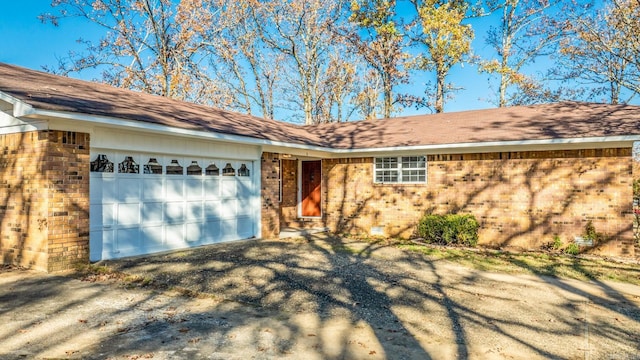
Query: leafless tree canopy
(313, 61)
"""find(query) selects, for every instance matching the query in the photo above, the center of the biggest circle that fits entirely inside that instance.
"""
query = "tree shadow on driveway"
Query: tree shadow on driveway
(365, 299)
(325, 297)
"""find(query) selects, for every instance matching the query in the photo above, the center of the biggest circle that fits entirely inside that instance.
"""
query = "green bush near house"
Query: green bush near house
(450, 229)
(572, 249)
(591, 233)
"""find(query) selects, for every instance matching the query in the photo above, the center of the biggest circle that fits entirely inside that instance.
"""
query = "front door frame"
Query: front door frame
(300, 161)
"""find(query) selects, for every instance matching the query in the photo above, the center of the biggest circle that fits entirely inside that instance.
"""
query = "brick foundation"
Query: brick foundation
(521, 199)
(44, 205)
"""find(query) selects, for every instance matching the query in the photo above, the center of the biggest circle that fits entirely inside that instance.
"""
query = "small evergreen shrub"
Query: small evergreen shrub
(557, 243)
(451, 229)
(591, 233)
(572, 249)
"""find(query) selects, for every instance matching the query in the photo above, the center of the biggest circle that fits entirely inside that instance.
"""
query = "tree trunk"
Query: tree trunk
(440, 79)
(388, 97)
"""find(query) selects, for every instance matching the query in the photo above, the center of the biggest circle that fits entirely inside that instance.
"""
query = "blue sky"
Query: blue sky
(27, 42)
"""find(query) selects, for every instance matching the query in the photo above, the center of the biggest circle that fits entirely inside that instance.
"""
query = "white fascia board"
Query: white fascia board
(325, 152)
(20, 108)
(11, 125)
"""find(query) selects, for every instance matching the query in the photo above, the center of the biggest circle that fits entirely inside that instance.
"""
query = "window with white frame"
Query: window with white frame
(402, 169)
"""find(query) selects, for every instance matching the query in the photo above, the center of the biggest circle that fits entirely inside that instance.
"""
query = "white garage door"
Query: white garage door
(144, 203)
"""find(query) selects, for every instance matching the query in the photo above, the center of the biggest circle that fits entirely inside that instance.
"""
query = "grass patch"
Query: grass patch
(93, 273)
(544, 264)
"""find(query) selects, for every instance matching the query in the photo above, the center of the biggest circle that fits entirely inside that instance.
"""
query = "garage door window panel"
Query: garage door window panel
(153, 167)
(128, 166)
(228, 170)
(212, 170)
(102, 164)
(174, 168)
(194, 169)
(243, 170)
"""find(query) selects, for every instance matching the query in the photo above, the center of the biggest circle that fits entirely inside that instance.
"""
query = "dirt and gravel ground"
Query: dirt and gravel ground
(315, 298)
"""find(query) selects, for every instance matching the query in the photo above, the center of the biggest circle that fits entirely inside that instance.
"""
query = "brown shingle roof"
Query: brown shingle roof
(564, 120)
(540, 122)
(51, 92)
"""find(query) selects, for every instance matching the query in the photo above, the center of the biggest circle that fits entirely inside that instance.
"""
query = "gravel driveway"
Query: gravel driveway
(332, 298)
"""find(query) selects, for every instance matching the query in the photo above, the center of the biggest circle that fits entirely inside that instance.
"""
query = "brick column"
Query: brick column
(44, 199)
(270, 193)
(66, 170)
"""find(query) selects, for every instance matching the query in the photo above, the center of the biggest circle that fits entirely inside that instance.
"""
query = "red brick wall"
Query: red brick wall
(44, 202)
(521, 199)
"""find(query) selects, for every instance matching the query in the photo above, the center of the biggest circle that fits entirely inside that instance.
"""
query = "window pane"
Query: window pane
(386, 176)
(387, 163)
(413, 175)
(413, 162)
(405, 169)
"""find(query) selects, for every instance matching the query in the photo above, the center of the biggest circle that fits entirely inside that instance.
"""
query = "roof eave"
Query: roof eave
(19, 107)
(502, 146)
(322, 151)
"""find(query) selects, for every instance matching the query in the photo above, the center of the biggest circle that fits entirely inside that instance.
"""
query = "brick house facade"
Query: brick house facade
(521, 199)
(528, 174)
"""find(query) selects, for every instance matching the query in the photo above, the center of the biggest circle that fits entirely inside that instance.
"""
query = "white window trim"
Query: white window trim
(399, 170)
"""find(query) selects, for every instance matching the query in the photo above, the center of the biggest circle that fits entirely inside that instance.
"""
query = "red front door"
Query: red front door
(311, 177)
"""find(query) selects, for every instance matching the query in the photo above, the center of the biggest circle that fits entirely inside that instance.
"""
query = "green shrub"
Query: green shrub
(591, 233)
(557, 243)
(572, 249)
(449, 229)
